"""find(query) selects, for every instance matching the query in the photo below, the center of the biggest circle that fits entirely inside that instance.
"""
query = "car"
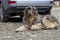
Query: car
(16, 7)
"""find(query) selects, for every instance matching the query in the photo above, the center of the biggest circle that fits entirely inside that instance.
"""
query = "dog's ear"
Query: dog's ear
(35, 11)
(25, 10)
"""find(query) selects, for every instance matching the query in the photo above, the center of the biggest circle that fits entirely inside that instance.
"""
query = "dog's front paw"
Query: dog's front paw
(21, 29)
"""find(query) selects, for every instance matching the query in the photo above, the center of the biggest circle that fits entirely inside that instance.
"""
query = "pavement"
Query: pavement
(7, 30)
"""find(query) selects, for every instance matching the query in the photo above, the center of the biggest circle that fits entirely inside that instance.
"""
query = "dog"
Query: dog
(33, 21)
(30, 19)
(49, 22)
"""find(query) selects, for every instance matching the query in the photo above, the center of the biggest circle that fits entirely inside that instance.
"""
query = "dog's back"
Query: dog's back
(49, 21)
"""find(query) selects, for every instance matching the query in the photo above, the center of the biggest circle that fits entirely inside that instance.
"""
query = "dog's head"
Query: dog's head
(31, 11)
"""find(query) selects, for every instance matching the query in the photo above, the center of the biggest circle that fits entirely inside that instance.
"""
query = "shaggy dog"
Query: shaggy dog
(33, 21)
(30, 19)
(49, 22)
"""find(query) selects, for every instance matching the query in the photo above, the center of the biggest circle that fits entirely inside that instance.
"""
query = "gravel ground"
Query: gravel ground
(7, 30)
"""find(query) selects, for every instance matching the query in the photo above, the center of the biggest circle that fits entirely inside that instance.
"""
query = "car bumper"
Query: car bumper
(21, 9)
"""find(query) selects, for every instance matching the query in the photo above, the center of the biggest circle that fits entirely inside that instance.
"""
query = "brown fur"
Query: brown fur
(30, 19)
(49, 21)
(30, 16)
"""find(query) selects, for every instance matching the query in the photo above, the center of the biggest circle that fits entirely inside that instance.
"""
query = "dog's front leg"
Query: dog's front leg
(22, 28)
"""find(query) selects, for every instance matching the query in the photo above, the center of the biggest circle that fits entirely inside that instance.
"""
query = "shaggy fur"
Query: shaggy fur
(49, 21)
(30, 19)
(30, 14)
(33, 21)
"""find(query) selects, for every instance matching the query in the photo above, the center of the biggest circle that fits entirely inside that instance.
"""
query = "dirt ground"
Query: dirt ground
(7, 30)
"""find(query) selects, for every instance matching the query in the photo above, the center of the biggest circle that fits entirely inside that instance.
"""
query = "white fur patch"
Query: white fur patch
(48, 24)
(22, 28)
(36, 26)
